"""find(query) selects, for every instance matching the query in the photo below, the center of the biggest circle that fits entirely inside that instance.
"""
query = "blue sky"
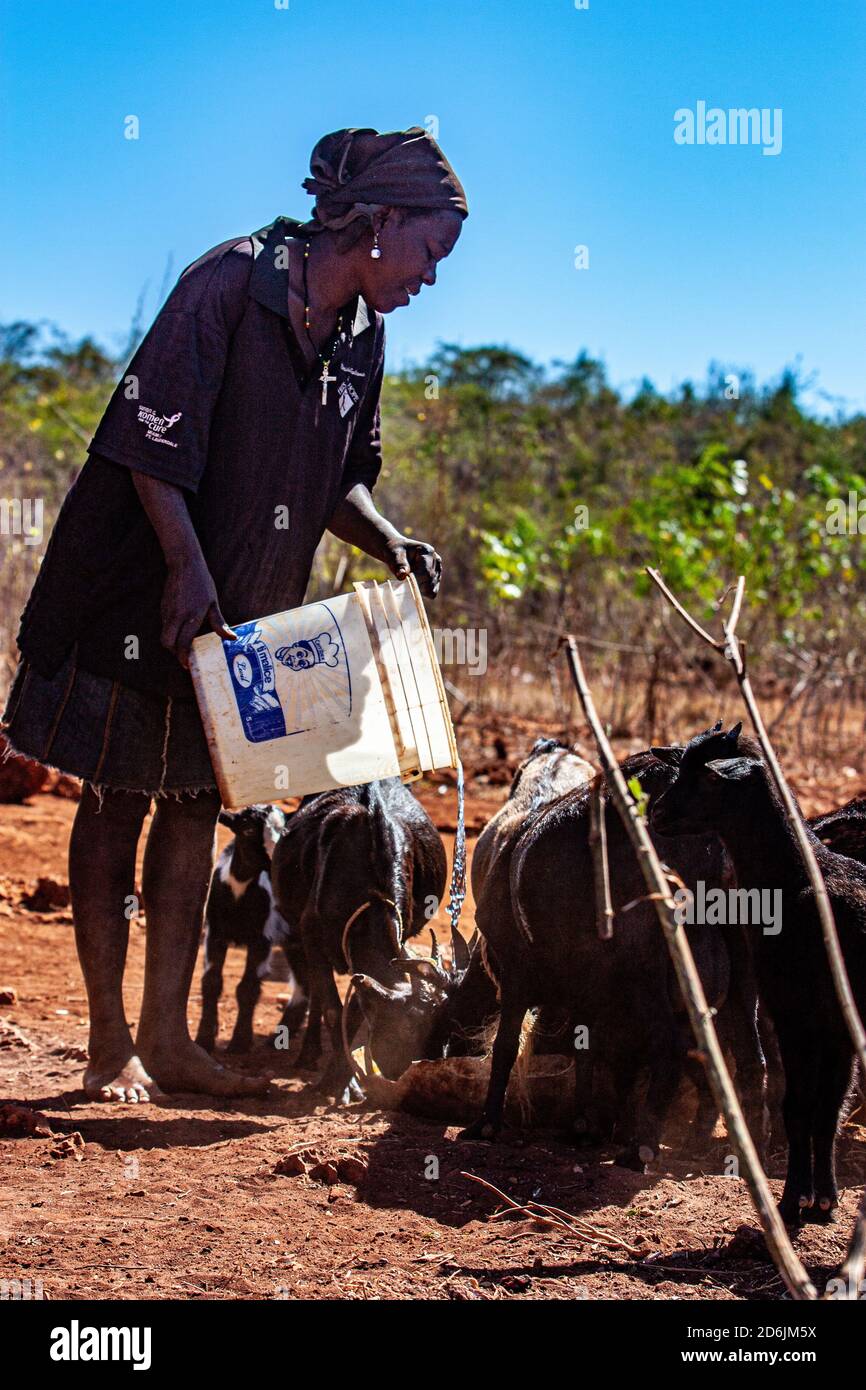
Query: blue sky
(559, 122)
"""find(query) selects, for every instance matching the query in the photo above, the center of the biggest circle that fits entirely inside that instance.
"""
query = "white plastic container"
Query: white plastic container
(333, 694)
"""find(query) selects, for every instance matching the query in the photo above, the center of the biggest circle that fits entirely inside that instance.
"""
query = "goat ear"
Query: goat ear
(731, 769)
(275, 824)
(671, 754)
(228, 818)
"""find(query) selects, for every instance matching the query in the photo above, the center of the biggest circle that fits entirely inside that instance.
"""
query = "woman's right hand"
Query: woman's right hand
(189, 600)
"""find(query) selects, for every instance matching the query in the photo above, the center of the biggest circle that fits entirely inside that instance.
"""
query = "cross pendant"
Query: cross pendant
(324, 379)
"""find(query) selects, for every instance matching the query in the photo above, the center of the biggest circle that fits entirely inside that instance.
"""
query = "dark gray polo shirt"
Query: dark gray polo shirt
(217, 400)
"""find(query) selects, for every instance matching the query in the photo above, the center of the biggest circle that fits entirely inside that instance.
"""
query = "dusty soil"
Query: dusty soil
(187, 1200)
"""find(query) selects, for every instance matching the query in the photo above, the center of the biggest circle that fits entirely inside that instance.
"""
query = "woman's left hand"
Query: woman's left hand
(403, 554)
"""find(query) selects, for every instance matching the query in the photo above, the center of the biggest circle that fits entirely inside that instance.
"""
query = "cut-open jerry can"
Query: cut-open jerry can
(335, 693)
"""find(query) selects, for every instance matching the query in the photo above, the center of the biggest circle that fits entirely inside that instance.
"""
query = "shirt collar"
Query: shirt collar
(269, 283)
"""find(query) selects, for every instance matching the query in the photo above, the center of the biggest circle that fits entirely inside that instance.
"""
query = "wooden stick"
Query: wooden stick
(686, 617)
(700, 1013)
(732, 649)
(600, 869)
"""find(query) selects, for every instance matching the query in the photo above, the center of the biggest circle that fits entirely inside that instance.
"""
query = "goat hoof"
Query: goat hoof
(582, 1134)
(334, 1085)
(479, 1129)
(581, 1138)
(791, 1210)
(825, 1210)
(634, 1157)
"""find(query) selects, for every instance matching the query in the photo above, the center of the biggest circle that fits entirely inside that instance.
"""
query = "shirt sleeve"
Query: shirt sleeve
(364, 459)
(158, 420)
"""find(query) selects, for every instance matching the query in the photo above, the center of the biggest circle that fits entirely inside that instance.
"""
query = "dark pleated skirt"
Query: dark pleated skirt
(107, 734)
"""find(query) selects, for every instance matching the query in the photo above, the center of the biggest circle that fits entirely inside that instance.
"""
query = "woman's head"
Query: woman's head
(394, 192)
(412, 243)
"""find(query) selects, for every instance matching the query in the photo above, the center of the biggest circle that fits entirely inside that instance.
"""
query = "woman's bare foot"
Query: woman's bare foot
(129, 1083)
(187, 1067)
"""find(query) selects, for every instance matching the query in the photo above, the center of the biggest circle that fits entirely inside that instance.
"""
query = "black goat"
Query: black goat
(442, 1011)
(537, 917)
(844, 830)
(438, 1010)
(240, 912)
(723, 786)
(357, 872)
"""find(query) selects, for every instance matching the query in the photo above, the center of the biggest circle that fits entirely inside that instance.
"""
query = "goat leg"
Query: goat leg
(311, 1048)
(665, 1068)
(584, 1125)
(248, 991)
(319, 980)
(799, 1053)
(738, 1020)
(337, 1080)
(211, 989)
(505, 1049)
(836, 1074)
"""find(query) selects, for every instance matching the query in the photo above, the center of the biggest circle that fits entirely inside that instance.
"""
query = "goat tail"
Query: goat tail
(520, 1077)
(519, 1086)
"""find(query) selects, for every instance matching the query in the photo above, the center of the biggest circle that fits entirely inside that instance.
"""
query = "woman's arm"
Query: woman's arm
(357, 521)
(189, 598)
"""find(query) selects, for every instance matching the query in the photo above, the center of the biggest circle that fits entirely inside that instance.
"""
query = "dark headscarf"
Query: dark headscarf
(356, 173)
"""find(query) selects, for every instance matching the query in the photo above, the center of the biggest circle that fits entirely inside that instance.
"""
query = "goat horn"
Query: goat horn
(347, 928)
(397, 933)
(359, 1074)
(434, 947)
(459, 950)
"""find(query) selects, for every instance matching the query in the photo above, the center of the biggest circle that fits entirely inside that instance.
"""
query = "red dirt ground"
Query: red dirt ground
(183, 1200)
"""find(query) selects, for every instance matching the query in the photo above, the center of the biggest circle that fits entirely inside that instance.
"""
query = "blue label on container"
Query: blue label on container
(251, 668)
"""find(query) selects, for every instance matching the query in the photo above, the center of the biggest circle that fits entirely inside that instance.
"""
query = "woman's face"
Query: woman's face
(412, 245)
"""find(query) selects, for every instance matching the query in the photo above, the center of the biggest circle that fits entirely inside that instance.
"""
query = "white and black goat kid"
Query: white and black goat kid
(241, 912)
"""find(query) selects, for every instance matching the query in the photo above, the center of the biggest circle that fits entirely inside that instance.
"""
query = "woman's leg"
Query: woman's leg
(102, 881)
(177, 868)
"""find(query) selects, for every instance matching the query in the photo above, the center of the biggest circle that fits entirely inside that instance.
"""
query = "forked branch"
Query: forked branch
(699, 1011)
(732, 649)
